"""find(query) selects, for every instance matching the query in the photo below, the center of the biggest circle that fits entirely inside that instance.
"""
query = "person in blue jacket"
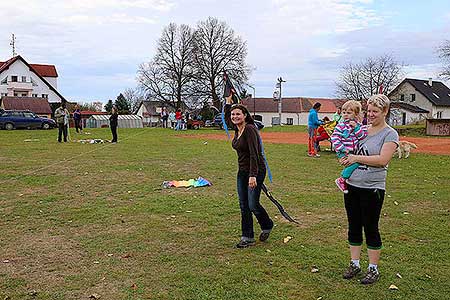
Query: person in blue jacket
(313, 123)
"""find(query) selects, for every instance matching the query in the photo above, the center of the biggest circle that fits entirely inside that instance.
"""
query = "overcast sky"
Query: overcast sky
(97, 45)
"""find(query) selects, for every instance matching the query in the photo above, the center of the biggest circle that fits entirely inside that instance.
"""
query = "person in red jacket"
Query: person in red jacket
(179, 118)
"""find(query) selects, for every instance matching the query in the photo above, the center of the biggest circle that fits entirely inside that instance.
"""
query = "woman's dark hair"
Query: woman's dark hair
(317, 105)
(248, 116)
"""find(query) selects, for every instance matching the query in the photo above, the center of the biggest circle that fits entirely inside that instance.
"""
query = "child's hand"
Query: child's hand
(352, 123)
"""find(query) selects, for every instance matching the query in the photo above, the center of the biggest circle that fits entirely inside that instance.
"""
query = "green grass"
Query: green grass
(78, 219)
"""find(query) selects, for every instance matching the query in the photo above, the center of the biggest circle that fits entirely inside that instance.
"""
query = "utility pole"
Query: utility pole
(280, 81)
(13, 44)
(254, 101)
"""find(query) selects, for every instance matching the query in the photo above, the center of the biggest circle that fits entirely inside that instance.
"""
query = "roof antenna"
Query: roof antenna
(13, 44)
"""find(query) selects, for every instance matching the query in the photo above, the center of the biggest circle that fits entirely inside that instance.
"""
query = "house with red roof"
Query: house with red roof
(22, 80)
(294, 110)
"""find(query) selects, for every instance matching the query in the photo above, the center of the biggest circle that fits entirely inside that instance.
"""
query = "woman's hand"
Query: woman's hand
(252, 182)
(348, 160)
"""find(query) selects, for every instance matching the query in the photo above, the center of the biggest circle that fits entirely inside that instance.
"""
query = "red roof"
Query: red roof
(34, 104)
(292, 104)
(42, 70)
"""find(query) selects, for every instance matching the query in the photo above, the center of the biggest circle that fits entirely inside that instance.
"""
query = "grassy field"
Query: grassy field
(80, 219)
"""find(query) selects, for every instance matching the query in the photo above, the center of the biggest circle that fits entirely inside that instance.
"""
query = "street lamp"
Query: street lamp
(254, 99)
(280, 81)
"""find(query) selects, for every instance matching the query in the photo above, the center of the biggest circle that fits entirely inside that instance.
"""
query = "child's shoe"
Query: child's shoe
(342, 185)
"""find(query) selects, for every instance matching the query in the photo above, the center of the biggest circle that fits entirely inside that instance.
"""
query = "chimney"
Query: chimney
(430, 82)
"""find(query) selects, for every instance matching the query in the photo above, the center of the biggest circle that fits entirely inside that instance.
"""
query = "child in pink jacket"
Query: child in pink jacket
(345, 138)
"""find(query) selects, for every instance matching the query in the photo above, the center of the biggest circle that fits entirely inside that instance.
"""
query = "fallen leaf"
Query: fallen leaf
(287, 239)
(395, 202)
(320, 298)
(427, 276)
(393, 287)
(399, 276)
(406, 213)
(134, 286)
(94, 296)
(268, 250)
(189, 211)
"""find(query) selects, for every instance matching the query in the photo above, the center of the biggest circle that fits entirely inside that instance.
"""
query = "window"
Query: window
(16, 94)
(289, 121)
(402, 97)
(413, 97)
(28, 115)
(24, 78)
(5, 81)
(32, 82)
(34, 95)
(439, 115)
(45, 96)
(14, 78)
(4, 94)
(434, 94)
(24, 94)
(17, 114)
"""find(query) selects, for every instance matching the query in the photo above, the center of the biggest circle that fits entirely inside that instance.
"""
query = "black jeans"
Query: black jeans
(62, 130)
(78, 125)
(249, 203)
(114, 134)
(363, 208)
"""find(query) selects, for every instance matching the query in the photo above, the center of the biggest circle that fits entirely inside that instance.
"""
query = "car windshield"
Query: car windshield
(29, 115)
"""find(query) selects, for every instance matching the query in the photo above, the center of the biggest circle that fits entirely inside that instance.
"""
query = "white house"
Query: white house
(18, 78)
(415, 99)
(150, 112)
(294, 110)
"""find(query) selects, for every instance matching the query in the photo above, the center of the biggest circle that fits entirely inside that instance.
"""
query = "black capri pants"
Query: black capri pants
(363, 208)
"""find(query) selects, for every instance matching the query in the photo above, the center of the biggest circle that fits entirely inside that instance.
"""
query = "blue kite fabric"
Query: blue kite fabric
(199, 182)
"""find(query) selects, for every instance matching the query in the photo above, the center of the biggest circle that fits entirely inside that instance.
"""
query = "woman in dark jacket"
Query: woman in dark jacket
(113, 123)
(251, 173)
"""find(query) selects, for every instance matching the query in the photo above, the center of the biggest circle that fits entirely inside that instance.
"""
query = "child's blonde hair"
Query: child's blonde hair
(352, 105)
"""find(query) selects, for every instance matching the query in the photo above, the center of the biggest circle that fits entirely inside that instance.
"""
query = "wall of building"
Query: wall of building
(19, 69)
(297, 118)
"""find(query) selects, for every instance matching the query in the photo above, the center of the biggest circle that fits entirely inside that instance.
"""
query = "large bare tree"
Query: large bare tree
(359, 81)
(444, 54)
(167, 77)
(218, 48)
(134, 97)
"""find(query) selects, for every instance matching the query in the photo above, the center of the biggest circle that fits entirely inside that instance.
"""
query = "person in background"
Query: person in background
(113, 122)
(337, 115)
(172, 119)
(366, 188)
(164, 116)
(179, 118)
(77, 120)
(62, 119)
(313, 123)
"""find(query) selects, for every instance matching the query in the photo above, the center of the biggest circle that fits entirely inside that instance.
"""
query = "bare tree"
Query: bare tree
(167, 77)
(218, 48)
(362, 80)
(134, 97)
(444, 54)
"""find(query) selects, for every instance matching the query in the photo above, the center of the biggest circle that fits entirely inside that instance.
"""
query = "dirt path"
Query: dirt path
(428, 145)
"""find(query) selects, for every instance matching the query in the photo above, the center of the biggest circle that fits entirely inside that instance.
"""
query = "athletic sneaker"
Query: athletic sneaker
(245, 243)
(317, 155)
(264, 236)
(342, 185)
(371, 276)
(310, 155)
(352, 271)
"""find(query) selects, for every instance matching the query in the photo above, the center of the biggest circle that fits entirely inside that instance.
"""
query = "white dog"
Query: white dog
(404, 148)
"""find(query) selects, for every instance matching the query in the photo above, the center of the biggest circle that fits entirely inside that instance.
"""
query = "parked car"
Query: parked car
(11, 119)
(195, 124)
(218, 122)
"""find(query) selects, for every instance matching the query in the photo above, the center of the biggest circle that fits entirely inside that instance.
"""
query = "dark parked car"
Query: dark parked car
(10, 119)
(218, 122)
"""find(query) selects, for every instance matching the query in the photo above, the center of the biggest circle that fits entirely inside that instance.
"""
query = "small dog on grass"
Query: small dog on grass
(404, 148)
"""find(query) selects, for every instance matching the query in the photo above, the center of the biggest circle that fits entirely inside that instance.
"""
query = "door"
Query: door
(403, 118)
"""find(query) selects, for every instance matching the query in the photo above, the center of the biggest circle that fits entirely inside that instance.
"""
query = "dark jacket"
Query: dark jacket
(113, 120)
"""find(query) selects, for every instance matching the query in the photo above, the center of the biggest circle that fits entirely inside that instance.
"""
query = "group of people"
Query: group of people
(62, 116)
(177, 120)
(363, 150)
